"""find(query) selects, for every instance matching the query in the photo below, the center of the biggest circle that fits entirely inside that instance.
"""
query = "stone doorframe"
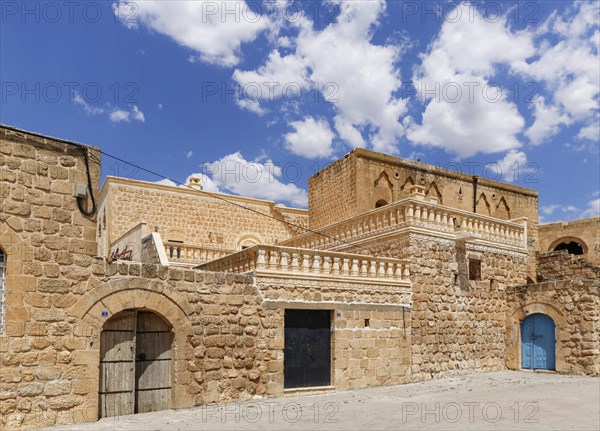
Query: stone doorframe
(96, 307)
(513, 333)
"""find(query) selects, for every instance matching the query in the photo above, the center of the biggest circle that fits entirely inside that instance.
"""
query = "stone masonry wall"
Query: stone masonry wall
(586, 232)
(457, 325)
(332, 193)
(354, 185)
(192, 217)
(222, 348)
(574, 306)
(371, 348)
(560, 265)
(47, 242)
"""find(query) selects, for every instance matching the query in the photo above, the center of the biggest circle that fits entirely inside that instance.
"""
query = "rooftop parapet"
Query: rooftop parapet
(417, 214)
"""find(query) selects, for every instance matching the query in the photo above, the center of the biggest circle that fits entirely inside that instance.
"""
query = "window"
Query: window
(474, 269)
(2, 288)
(380, 203)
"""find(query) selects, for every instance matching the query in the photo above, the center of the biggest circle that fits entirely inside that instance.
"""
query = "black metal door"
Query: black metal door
(307, 349)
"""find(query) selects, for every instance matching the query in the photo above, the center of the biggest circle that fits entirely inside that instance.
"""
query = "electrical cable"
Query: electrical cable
(89, 186)
(212, 195)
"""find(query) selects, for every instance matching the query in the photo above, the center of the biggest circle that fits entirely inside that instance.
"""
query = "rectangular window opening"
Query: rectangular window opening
(474, 269)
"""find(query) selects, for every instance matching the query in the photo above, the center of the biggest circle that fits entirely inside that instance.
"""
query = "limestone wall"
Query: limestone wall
(47, 242)
(129, 246)
(574, 306)
(50, 362)
(586, 232)
(189, 216)
(371, 348)
(560, 265)
(457, 325)
(354, 184)
(332, 193)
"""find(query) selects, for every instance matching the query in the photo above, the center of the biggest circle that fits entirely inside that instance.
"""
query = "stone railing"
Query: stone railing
(296, 262)
(415, 212)
(193, 254)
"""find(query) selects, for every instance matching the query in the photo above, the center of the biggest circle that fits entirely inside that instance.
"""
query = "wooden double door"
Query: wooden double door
(135, 364)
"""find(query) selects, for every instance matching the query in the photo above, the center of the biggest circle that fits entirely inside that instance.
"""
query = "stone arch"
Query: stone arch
(383, 189)
(482, 205)
(383, 176)
(380, 203)
(568, 241)
(502, 210)
(513, 332)
(91, 311)
(434, 191)
(247, 240)
(407, 184)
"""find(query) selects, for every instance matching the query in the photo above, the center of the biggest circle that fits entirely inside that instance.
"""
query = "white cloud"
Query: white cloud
(189, 154)
(464, 114)
(89, 109)
(567, 63)
(261, 180)
(114, 114)
(349, 132)
(160, 106)
(312, 138)
(548, 210)
(120, 115)
(593, 209)
(214, 30)
(357, 77)
(361, 76)
(166, 182)
(271, 80)
(590, 132)
(137, 115)
(548, 120)
(252, 106)
(513, 165)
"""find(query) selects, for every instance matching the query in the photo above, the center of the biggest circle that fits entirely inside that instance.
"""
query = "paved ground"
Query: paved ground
(491, 401)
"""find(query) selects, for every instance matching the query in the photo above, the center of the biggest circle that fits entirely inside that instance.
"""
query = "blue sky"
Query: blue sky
(257, 96)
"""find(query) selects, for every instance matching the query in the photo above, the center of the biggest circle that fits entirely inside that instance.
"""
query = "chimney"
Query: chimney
(195, 183)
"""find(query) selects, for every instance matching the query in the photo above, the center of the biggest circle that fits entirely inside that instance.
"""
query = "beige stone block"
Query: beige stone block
(83, 357)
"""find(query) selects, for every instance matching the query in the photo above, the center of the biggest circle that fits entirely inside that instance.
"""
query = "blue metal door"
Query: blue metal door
(537, 342)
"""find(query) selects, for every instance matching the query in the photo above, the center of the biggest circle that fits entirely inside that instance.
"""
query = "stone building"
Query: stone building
(578, 237)
(140, 296)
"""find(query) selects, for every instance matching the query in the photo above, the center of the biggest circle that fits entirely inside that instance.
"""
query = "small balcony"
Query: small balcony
(289, 277)
(262, 259)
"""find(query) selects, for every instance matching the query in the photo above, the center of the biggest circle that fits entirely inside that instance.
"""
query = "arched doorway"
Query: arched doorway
(135, 364)
(572, 247)
(538, 348)
(380, 203)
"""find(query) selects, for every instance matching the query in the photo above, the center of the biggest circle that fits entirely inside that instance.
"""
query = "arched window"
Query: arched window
(380, 203)
(2, 288)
